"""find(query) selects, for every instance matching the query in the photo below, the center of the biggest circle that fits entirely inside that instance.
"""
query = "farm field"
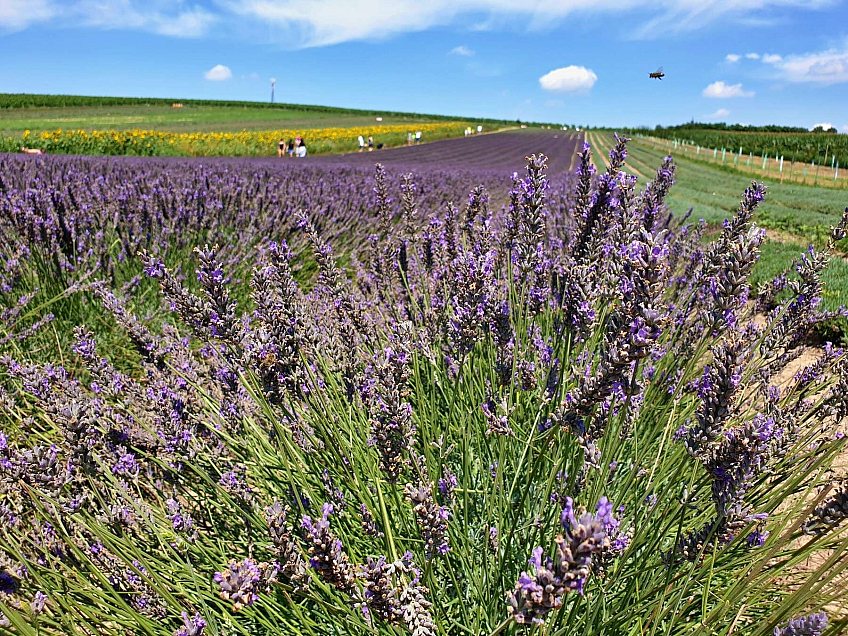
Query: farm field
(154, 127)
(479, 388)
(205, 144)
(187, 119)
(49, 112)
(127, 126)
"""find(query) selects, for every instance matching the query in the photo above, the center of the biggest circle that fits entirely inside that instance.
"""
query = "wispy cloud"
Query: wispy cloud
(218, 73)
(174, 19)
(171, 19)
(569, 79)
(690, 15)
(19, 14)
(824, 67)
(461, 50)
(823, 126)
(768, 58)
(721, 90)
(325, 22)
(719, 114)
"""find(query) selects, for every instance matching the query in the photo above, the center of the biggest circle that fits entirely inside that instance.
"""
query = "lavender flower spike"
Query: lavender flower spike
(193, 625)
(543, 588)
(432, 519)
(829, 515)
(812, 625)
(326, 554)
(242, 582)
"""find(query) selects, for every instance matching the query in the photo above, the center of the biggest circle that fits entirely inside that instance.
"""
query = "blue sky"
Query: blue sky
(572, 61)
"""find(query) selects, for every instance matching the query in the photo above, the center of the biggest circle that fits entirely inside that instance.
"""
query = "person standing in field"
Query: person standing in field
(281, 148)
(361, 143)
(418, 136)
(291, 147)
(370, 143)
(409, 139)
(301, 148)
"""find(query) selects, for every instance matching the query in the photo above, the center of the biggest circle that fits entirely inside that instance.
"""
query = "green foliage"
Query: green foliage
(818, 146)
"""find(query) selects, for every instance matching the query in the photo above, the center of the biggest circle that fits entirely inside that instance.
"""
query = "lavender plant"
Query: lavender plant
(378, 409)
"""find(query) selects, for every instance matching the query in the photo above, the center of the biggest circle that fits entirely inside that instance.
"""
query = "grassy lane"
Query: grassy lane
(796, 171)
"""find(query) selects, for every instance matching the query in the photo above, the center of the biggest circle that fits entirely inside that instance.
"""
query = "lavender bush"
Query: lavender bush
(369, 403)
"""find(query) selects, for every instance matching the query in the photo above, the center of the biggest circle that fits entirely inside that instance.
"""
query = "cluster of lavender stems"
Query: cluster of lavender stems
(265, 341)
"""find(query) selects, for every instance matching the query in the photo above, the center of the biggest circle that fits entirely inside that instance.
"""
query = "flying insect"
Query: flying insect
(658, 74)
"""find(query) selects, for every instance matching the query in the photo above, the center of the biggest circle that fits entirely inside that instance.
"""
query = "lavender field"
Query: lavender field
(477, 388)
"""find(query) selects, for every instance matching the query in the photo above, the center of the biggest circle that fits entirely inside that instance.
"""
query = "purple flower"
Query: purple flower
(243, 581)
(192, 625)
(812, 625)
(326, 553)
(432, 519)
(126, 465)
(542, 589)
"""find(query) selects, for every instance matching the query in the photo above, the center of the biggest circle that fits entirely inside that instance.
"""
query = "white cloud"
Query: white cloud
(770, 58)
(825, 67)
(722, 90)
(823, 126)
(752, 56)
(19, 14)
(719, 114)
(845, 128)
(732, 57)
(218, 73)
(569, 79)
(461, 50)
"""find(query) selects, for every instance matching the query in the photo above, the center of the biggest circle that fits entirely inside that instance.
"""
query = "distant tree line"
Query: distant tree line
(696, 125)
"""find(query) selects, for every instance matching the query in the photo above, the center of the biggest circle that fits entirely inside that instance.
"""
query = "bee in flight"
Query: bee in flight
(657, 74)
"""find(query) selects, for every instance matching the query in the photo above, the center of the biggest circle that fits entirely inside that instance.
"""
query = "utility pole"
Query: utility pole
(273, 81)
